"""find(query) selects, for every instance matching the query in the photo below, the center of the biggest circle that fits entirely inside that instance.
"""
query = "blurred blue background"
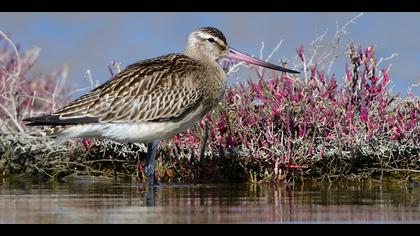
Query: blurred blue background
(92, 40)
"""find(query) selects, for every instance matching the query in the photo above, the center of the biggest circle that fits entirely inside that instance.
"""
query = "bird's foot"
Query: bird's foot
(152, 181)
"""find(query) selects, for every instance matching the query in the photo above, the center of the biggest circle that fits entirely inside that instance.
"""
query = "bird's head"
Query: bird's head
(210, 44)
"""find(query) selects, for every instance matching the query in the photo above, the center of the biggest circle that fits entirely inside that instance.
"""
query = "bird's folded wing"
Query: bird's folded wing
(153, 90)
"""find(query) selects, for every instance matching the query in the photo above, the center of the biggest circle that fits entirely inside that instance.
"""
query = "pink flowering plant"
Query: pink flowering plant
(279, 127)
(22, 93)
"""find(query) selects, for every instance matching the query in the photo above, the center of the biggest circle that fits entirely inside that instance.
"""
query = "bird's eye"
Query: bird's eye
(211, 40)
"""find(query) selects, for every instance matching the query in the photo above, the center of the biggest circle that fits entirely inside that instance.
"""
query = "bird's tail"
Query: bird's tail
(57, 125)
(51, 122)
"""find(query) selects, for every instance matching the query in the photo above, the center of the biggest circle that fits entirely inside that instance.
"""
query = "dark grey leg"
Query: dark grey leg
(150, 196)
(150, 162)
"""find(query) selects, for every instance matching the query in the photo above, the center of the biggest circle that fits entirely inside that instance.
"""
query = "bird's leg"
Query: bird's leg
(150, 162)
(138, 167)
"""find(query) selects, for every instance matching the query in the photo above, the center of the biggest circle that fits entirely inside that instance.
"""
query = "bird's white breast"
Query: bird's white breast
(139, 132)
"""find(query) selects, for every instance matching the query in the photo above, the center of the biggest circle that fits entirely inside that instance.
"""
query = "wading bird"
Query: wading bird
(153, 99)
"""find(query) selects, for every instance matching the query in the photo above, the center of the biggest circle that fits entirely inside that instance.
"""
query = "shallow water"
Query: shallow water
(93, 200)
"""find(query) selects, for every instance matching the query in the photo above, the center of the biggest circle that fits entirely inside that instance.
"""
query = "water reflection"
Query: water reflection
(93, 200)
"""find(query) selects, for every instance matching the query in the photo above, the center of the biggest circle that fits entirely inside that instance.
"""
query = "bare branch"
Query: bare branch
(88, 77)
(274, 50)
(12, 118)
(261, 49)
(18, 66)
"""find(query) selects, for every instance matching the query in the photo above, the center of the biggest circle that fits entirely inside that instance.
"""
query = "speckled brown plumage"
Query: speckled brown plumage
(151, 90)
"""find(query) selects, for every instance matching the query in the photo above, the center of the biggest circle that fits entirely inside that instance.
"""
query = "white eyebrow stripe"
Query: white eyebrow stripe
(205, 35)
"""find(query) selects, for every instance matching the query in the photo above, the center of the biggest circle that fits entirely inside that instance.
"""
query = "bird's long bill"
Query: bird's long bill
(234, 54)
